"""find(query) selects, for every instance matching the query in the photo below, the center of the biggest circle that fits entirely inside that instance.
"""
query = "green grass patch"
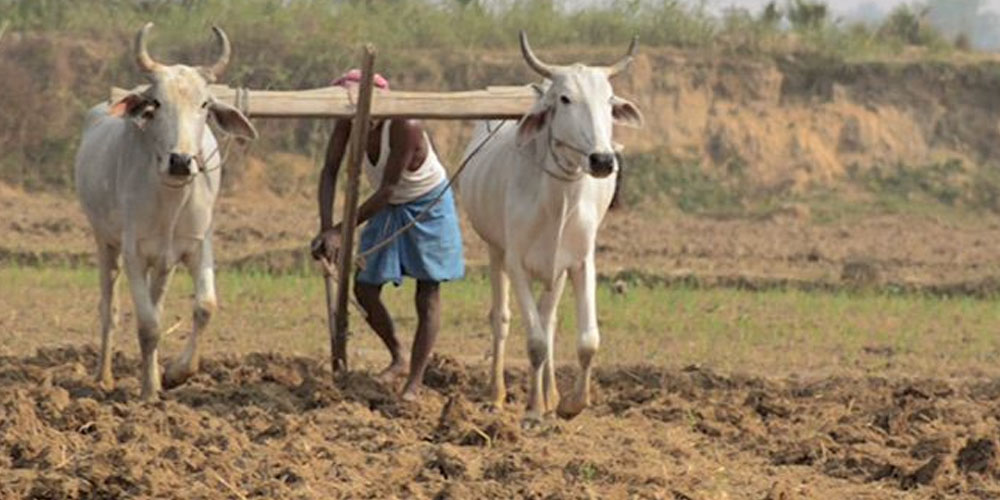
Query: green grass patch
(951, 183)
(952, 189)
(770, 332)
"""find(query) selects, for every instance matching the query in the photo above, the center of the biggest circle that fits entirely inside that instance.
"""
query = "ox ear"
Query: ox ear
(232, 121)
(531, 125)
(129, 105)
(625, 113)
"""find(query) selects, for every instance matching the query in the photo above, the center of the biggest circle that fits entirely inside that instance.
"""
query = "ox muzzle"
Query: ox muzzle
(601, 164)
(181, 165)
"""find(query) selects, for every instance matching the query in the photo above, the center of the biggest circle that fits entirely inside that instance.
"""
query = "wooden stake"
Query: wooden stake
(357, 143)
(329, 282)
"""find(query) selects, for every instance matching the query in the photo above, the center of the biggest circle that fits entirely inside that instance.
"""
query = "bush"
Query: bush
(807, 14)
(656, 177)
(908, 25)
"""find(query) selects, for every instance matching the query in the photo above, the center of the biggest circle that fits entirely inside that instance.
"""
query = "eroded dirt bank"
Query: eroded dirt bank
(783, 121)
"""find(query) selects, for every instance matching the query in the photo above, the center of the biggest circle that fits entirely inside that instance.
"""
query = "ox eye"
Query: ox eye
(204, 105)
(564, 99)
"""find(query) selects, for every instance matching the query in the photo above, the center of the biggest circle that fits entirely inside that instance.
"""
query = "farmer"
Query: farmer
(408, 179)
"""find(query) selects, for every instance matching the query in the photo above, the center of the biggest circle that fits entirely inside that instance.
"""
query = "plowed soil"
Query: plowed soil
(268, 426)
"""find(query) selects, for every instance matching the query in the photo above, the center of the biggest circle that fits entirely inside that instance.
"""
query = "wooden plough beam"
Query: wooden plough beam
(362, 105)
(337, 102)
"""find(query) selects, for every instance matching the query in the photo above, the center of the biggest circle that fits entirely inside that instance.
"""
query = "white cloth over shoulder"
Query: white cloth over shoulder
(412, 183)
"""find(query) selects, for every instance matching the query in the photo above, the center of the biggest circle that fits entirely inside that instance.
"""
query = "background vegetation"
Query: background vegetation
(58, 57)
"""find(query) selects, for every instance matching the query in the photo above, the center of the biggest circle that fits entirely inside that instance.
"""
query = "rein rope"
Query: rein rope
(359, 259)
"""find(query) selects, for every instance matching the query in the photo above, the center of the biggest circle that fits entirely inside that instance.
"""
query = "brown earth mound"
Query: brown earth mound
(268, 426)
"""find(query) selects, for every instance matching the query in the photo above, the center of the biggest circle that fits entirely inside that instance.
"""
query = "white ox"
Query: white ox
(536, 193)
(147, 175)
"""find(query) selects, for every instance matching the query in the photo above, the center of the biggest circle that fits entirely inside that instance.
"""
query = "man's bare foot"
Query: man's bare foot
(392, 372)
(410, 393)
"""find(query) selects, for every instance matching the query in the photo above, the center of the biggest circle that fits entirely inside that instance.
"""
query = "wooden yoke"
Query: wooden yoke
(493, 103)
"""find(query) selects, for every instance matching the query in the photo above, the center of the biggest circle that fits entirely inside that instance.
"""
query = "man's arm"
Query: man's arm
(331, 166)
(404, 139)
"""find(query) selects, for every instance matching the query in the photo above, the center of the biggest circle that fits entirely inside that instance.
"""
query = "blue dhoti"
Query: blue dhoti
(431, 250)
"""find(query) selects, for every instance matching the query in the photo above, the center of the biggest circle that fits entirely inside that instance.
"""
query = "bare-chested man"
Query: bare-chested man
(407, 176)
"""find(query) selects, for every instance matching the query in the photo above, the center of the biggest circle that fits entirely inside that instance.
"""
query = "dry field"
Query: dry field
(790, 246)
(702, 392)
(808, 351)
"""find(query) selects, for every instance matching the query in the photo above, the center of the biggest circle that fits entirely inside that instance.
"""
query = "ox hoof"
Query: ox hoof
(570, 406)
(493, 407)
(174, 377)
(106, 384)
(531, 420)
(149, 396)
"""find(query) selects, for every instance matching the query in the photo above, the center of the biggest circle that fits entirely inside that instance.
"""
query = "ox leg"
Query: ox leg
(584, 287)
(159, 280)
(538, 346)
(108, 272)
(200, 265)
(548, 307)
(500, 324)
(148, 319)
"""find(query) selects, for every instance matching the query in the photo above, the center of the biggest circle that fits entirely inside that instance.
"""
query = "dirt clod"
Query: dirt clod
(977, 456)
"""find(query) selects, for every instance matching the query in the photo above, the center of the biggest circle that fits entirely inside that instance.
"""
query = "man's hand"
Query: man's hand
(327, 245)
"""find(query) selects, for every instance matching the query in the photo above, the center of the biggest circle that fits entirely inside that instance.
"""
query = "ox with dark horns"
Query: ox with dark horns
(147, 175)
(536, 193)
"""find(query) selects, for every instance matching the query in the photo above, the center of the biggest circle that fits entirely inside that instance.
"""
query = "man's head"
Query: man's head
(353, 77)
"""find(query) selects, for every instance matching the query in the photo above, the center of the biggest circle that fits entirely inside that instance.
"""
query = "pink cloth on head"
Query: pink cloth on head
(354, 76)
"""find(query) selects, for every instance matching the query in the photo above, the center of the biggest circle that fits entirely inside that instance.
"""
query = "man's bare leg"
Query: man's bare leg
(428, 302)
(369, 296)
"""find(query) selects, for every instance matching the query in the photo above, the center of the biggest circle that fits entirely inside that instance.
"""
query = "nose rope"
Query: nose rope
(566, 173)
(202, 162)
(242, 102)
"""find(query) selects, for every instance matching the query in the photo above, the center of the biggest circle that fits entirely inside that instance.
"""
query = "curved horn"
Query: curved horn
(624, 62)
(541, 68)
(142, 57)
(227, 50)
